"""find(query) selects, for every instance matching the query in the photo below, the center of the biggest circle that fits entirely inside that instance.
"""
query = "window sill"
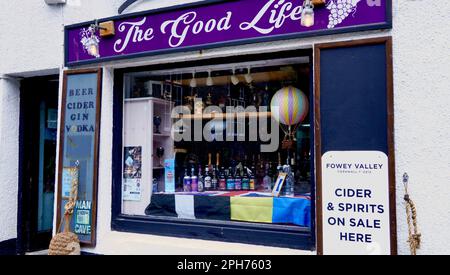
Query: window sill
(234, 232)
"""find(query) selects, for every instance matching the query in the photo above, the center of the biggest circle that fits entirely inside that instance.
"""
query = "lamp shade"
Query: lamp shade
(289, 106)
(307, 19)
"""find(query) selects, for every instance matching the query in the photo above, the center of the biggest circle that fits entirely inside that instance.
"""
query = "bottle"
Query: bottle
(239, 166)
(230, 179)
(222, 180)
(288, 188)
(208, 179)
(237, 180)
(155, 186)
(272, 173)
(209, 161)
(245, 180)
(209, 100)
(217, 161)
(280, 166)
(194, 181)
(198, 105)
(267, 181)
(261, 164)
(258, 163)
(261, 171)
(267, 166)
(186, 181)
(252, 179)
(201, 180)
(214, 180)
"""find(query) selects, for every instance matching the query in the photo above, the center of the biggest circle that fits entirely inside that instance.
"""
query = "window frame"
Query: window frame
(302, 238)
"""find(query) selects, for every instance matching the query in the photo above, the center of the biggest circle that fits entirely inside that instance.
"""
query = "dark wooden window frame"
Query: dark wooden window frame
(235, 232)
(92, 242)
(387, 41)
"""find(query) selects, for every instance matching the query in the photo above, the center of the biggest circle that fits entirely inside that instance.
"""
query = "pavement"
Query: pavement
(41, 252)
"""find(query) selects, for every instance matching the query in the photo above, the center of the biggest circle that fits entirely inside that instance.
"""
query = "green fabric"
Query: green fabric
(250, 209)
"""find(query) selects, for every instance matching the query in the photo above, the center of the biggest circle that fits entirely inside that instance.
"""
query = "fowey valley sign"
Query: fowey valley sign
(208, 24)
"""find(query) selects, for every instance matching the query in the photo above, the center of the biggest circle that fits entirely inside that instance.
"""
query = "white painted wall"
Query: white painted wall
(422, 130)
(421, 84)
(9, 157)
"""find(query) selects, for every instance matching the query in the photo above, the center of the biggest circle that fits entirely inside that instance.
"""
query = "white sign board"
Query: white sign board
(131, 190)
(355, 203)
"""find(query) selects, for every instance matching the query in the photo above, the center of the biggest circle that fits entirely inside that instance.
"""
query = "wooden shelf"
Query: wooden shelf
(155, 100)
(225, 116)
(161, 135)
(181, 151)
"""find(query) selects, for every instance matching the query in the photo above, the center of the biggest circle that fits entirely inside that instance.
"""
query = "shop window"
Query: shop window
(206, 144)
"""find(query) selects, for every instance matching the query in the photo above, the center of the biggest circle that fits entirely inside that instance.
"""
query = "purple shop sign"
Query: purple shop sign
(210, 24)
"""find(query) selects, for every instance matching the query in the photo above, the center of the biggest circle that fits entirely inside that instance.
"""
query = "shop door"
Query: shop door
(39, 115)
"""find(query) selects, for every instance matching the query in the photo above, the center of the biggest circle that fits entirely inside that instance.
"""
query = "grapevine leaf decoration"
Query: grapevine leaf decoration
(339, 10)
(88, 38)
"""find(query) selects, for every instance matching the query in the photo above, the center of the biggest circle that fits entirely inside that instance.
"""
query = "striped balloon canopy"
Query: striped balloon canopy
(292, 105)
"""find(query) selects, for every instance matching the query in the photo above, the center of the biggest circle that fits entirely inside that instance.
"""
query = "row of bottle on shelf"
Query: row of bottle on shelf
(252, 96)
(237, 178)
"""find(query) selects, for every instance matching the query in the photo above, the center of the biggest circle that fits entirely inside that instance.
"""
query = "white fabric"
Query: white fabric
(184, 206)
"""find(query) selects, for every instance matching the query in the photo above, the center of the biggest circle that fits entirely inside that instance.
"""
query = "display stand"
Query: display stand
(139, 131)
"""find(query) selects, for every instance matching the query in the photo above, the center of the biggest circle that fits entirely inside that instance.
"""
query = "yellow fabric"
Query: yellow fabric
(252, 209)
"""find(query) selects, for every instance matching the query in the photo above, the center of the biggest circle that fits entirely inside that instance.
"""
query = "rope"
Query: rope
(411, 217)
(67, 242)
(70, 205)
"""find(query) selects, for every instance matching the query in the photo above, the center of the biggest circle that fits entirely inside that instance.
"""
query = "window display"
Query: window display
(220, 142)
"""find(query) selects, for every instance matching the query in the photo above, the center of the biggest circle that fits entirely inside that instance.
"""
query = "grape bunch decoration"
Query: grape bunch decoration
(339, 10)
(90, 40)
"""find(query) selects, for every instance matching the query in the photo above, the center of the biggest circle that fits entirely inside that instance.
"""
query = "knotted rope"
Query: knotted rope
(411, 216)
(70, 205)
(67, 243)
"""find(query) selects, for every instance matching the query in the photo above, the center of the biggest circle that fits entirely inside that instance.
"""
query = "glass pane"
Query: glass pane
(221, 142)
(47, 160)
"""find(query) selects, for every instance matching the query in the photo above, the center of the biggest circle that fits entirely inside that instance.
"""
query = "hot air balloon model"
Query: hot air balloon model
(289, 108)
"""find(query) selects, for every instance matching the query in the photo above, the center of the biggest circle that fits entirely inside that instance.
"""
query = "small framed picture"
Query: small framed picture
(279, 184)
(69, 175)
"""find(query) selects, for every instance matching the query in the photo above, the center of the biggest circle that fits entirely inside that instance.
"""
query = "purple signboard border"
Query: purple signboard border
(376, 26)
